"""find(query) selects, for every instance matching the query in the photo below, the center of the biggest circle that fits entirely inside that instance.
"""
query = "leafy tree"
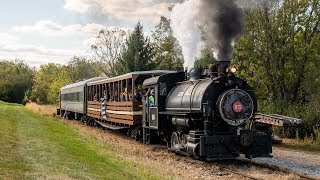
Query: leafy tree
(168, 52)
(49, 79)
(280, 49)
(138, 54)
(16, 79)
(108, 47)
(80, 68)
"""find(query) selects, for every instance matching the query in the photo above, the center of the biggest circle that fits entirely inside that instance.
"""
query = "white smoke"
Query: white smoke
(185, 29)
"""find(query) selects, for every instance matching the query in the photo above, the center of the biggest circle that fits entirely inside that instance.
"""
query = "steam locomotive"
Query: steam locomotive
(205, 113)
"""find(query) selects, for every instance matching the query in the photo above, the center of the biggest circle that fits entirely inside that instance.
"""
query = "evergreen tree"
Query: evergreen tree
(206, 57)
(138, 55)
(168, 52)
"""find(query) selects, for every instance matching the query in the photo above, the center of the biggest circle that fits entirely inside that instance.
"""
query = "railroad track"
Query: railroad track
(279, 169)
(241, 162)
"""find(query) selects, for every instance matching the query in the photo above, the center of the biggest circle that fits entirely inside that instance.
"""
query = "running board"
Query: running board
(112, 127)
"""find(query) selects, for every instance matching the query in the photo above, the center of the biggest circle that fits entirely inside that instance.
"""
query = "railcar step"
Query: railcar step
(112, 127)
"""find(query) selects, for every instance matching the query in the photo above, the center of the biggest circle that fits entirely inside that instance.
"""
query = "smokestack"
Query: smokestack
(223, 67)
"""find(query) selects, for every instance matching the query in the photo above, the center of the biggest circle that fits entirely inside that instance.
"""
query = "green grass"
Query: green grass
(301, 145)
(33, 146)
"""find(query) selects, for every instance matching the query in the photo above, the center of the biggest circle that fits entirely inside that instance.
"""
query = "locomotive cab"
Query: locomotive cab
(153, 117)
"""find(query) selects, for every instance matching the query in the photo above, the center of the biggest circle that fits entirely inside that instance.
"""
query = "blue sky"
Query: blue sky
(42, 31)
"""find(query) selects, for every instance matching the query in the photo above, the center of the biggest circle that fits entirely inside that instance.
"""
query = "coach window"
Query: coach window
(78, 97)
(116, 92)
(92, 93)
(95, 95)
(163, 89)
(110, 93)
(81, 97)
(130, 89)
(98, 93)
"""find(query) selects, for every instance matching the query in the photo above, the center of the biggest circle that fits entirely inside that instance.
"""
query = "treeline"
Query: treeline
(16, 78)
(279, 55)
(20, 83)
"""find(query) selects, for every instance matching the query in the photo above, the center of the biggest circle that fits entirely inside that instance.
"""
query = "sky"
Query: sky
(42, 31)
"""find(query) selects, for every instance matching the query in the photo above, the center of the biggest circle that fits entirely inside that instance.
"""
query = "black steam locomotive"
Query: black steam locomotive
(205, 113)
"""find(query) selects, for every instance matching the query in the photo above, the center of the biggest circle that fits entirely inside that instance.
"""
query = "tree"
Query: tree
(280, 48)
(138, 54)
(206, 55)
(206, 58)
(168, 52)
(79, 68)
(108, 47)
(48, 81)
(16, 79)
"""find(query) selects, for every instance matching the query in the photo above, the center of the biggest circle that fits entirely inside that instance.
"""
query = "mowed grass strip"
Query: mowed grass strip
(33, 146)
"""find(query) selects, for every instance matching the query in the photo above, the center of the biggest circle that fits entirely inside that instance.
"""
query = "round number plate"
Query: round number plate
(237, 107)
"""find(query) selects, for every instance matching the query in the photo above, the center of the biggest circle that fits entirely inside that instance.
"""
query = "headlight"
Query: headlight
(233, 70)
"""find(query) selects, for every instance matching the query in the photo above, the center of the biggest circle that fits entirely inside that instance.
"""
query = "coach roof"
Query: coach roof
(130, 75)
(81, 83)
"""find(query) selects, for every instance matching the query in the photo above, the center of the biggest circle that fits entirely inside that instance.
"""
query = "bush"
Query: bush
(309, 112)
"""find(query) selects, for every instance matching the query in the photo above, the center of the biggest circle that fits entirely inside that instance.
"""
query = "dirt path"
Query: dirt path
(169, 165)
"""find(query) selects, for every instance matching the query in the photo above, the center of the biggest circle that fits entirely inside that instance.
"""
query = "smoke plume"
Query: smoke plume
(223, 19)
(183, 24)
(225, 22)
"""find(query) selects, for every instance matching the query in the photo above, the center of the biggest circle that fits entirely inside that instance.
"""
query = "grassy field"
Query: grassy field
(33, 146)
(301, 145)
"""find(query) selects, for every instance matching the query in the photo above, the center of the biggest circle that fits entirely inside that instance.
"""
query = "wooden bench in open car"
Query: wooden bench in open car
(116, 103)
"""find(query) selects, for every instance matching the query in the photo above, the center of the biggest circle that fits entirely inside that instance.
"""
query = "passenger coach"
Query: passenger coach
(73, 99)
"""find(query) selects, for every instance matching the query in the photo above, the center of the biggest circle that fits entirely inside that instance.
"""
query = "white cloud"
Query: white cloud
(41, 50)
(53, 29)
(81, 6)
(6, 38)
(122, 9)
(11, 48)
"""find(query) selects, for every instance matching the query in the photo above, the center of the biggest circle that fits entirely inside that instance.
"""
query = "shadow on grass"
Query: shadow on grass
(2, 103)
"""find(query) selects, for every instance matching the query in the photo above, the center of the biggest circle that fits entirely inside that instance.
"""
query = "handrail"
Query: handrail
(277, 120)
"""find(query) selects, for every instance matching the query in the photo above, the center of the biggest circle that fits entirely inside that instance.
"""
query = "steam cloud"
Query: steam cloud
(184, 28)
(223, 19)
